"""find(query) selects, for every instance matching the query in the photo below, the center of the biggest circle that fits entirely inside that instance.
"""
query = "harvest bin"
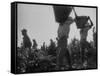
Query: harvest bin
(61, 13)
(81, 21)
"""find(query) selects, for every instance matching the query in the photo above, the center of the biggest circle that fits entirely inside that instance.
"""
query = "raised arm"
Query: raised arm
(74, 12)
(91, 22)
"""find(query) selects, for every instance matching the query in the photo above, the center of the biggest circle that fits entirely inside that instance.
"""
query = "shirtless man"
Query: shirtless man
(83, 41)
(63, 33)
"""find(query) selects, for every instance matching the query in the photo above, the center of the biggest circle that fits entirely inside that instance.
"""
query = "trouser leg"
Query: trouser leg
(64, 53)
(61, 57)
(68, 57)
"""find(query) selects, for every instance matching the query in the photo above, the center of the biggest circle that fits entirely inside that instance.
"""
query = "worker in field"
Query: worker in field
(63, 35)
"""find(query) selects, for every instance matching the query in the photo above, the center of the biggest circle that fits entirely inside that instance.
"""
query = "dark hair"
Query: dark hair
(24, 30)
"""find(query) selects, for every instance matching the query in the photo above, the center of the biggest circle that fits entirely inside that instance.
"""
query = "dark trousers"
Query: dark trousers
(63, 52)
(84, 46)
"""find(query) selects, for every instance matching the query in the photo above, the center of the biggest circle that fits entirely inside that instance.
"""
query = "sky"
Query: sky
(39, 20)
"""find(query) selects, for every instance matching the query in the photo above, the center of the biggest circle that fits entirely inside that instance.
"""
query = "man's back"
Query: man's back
(26, 42)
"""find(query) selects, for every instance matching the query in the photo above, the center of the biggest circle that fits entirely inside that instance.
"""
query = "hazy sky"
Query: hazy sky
(40, 22)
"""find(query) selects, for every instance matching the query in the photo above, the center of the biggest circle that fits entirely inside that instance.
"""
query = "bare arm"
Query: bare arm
(74, 12)
(91, 22)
